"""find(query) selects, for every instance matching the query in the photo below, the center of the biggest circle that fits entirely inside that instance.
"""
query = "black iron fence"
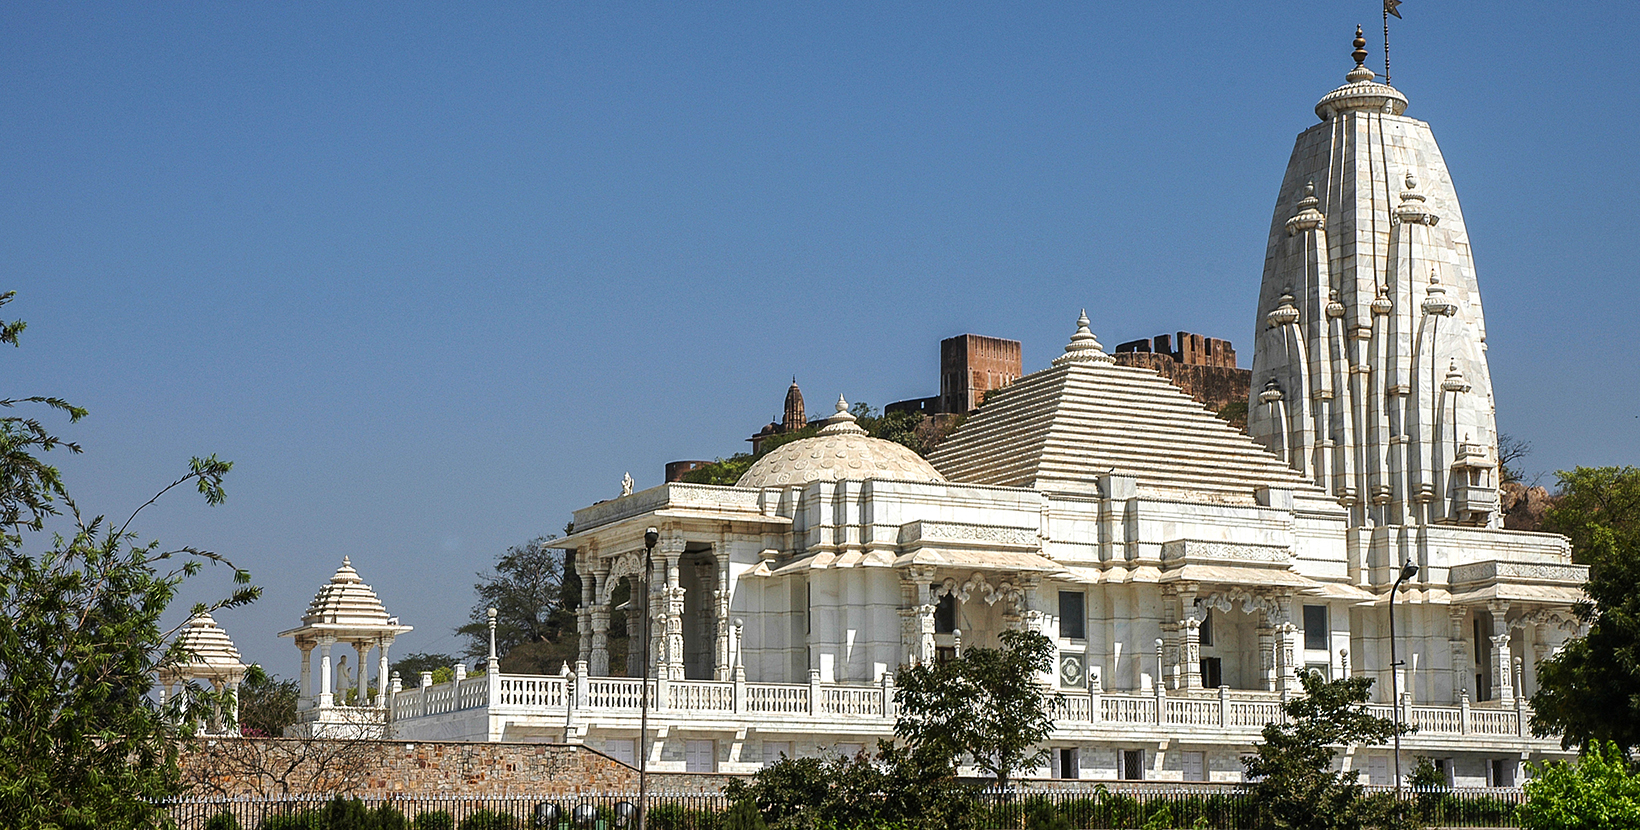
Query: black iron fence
(1083, 808)
(667, 811)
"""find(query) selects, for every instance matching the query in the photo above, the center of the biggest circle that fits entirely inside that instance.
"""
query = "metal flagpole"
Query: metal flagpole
(1389, 9)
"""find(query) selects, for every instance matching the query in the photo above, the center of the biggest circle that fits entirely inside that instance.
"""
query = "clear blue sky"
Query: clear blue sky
(433, 276)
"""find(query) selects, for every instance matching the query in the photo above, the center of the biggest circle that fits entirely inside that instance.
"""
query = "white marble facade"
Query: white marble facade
(1184, 571)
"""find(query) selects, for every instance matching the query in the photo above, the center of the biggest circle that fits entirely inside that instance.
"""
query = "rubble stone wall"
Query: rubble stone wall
(273, 766)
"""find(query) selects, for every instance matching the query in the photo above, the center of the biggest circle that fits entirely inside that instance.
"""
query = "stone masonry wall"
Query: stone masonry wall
(1214, 386)
(272, 766)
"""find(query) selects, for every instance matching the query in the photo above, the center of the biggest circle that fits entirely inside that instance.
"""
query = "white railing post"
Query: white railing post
(1224, 706)
(1096, 696)
(815, 707)
(1159, 687)
(888, 695)
(1463, 712)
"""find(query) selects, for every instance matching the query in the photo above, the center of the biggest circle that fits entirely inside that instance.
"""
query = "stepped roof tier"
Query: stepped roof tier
(211, 654)
(1061, 428)
(346, 604)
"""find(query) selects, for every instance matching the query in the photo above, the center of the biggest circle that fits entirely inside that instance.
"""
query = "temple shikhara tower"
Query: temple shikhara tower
(1370, 375)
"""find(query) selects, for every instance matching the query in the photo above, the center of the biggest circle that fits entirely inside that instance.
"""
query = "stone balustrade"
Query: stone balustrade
(1238, 714)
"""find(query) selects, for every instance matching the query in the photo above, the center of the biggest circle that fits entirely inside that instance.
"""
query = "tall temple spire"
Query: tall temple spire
(1370, 356)
(794, 418)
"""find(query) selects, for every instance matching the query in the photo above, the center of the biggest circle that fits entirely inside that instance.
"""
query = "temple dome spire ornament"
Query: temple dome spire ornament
(1361, 92)
(1084, 347)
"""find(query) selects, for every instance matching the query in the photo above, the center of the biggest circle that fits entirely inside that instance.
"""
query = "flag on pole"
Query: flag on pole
(1389, 8)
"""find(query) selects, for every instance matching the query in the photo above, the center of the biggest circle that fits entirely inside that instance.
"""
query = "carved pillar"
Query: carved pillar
(1461, 670)
(1286, 635)
(598, 649)
(1267, 653)
(591, 582)
(1028, 604)
(671, 611)
(722, 665)
(1192, 652)
(1502, 677)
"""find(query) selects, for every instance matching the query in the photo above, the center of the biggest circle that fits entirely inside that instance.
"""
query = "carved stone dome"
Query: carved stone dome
(841, 451)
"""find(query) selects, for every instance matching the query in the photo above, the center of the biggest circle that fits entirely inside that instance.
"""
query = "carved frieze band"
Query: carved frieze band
(956, 532)
(1197, 550)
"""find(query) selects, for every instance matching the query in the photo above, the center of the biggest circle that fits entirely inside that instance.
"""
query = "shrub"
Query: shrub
(489, 820)
(437, 820)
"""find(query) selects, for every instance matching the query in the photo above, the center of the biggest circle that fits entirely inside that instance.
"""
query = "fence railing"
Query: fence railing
(1118, 805)
(1220, 709)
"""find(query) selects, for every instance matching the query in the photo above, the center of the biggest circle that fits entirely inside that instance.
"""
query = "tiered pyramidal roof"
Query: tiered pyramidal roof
(1061, 428)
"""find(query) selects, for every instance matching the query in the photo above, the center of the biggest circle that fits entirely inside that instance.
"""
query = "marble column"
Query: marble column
(325, 698)
(1461, 671)
(671, 608)
(1503, 678)
(1267, 653)
(598, 649)
(722, 668)
(382, 667)
(306, 647)
(1192, 652)
(361, 696)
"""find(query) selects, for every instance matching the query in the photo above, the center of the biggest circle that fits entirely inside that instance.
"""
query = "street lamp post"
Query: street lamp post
(1408, 571)
(650, 537)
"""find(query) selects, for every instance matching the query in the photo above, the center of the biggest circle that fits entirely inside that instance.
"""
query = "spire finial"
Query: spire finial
(1084, 347)
(1360, 53)
(841, 423)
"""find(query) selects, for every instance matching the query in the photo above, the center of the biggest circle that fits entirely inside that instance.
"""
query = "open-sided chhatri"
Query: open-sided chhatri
(1185, 571)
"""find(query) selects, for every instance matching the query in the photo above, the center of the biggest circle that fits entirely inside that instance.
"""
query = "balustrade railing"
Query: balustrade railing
(1207, 708)
(777, 698)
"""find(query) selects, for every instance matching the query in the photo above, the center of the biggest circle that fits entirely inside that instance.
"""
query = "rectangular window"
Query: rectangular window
(1205, 633)
(1212, 672)
(1378, 771)
(700, 756)
(621, 749)
(1069, 766)
(1195, 766)
(1503, 772)
(773, 751)
(1315, 628)
(1133, 765)
(944, 653)
(1073, 615)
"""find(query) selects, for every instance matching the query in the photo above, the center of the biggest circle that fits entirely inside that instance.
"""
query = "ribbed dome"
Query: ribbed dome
(841, 451)
(346, 600)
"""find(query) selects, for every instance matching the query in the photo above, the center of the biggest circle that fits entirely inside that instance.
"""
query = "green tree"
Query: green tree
(410, 667)
(1590, 689)
(535, 619)
(1595, 500)
(1599, 792)
(988, 704)
(81, 743)
(1295, 783)
(266, 704)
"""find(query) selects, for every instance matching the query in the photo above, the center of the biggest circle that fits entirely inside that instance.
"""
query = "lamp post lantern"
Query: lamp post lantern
(650, 537)
(1408, 571)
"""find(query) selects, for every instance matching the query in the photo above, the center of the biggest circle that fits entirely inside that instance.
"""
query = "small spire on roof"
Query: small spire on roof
(1084, 347)
(842, 423)
(1360, 72)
